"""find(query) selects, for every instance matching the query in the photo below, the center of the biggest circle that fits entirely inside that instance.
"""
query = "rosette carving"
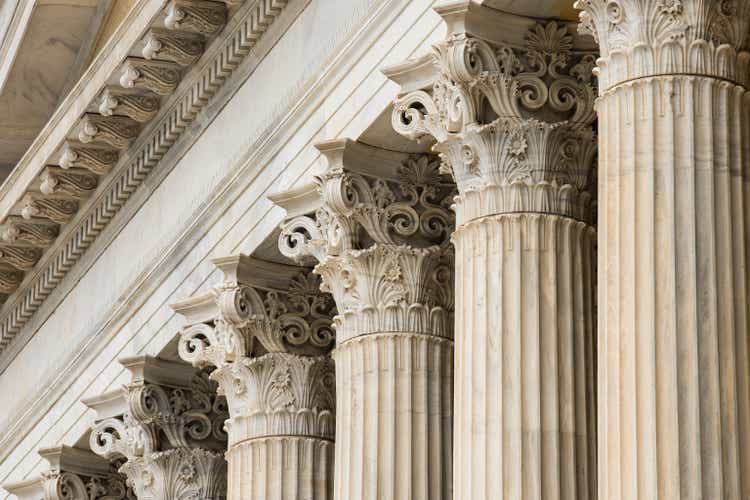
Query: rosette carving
(640, 38)
(279, 394)
(513, 125)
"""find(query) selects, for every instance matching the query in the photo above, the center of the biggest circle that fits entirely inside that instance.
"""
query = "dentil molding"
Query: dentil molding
(126, 126)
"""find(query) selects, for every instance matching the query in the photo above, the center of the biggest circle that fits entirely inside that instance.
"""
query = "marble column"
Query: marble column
(169, 439)
(511, 112)
(381, 243)
(674, 113)
(267, 330)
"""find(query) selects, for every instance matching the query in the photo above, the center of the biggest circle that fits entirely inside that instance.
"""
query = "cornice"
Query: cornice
(221, 58)
(299, 105)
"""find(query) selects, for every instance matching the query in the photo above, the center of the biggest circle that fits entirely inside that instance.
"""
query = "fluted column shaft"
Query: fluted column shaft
(281, 427)
(674, 306)
(674, 120)
(394, 394)
(512, 116)
(524, 350)
(381, 241)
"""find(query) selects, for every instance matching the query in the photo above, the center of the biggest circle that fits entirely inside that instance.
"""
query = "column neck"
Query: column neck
(640, 39)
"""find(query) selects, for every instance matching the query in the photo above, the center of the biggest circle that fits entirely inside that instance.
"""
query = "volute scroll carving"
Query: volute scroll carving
(296, 320)
(382, 245)
(171, 436)
(514, 125)
(199, 16)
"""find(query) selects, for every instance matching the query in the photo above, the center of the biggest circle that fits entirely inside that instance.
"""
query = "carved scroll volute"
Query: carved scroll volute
(232, 335)
(64, 486)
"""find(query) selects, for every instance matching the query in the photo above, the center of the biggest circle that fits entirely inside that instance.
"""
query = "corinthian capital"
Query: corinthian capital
(640, 38)
(259, 307)
(381, 240)
(279, 394)
(511, 112)
(73, 474)
(171, 435)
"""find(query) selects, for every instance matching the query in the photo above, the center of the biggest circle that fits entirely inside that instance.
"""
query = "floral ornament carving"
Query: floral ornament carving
(160, 77)
(298, 320)
(514, 126)
(96, 160)
(641, 38)
(382, 247)
(179, 473)
(171, 439)
(360, 211)
(163, 419)
(72, 486)
(279, 394)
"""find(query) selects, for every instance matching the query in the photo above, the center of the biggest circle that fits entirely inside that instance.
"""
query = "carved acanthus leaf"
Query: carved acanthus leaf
(279, 394)
(641, 38)
(508, 116)
(199, 16)
(138, 106)
(180, 473)
(183, 48)
(160, 77)
(117, 131)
